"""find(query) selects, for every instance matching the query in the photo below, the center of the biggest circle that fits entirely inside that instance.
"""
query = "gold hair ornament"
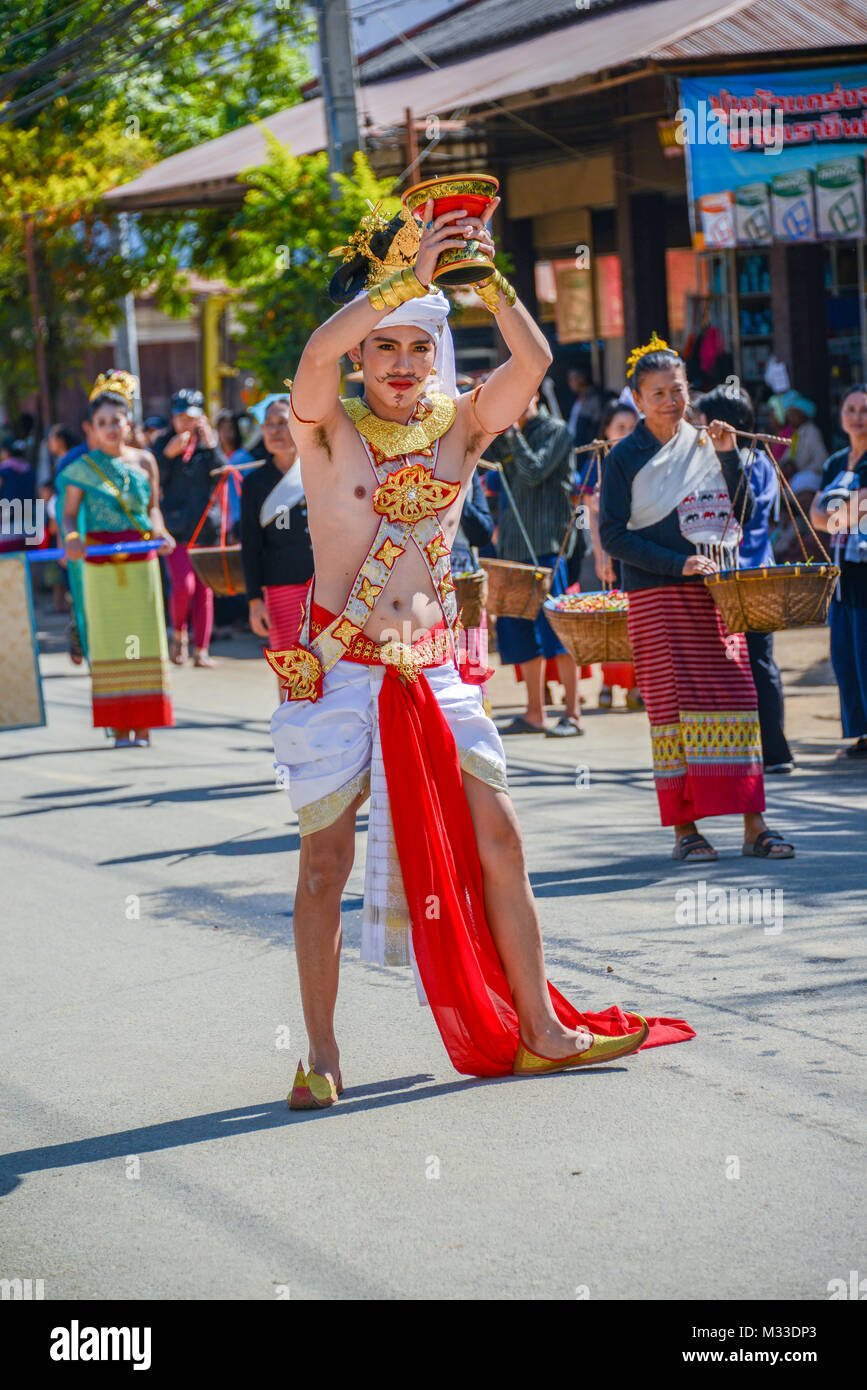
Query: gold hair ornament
(401, 253)
(656, 344)
(121, 383)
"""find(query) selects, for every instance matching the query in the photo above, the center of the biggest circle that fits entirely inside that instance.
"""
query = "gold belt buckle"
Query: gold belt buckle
(398, 654)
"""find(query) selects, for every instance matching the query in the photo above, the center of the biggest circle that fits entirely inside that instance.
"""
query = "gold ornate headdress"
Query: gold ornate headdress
(121, 383)
(401, 252)
(656, 344)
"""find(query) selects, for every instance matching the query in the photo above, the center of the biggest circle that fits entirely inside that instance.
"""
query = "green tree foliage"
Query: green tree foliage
(89, 96)
(57, 183)
(276, 249)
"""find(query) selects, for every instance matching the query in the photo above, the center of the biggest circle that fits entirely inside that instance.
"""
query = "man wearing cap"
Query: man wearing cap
(187, 453)
(154, 426)
(380, 699)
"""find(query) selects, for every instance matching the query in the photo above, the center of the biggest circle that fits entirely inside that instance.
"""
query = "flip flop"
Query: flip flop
(520, 725)
(855, 750)
(686, 847)
(762, 845)
(564, 728)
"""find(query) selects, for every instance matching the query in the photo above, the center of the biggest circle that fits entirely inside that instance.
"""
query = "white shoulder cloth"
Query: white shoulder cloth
(284, 495)
(686, 464)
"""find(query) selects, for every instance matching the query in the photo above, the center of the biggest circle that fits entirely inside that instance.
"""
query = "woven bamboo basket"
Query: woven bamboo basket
(515, 591)
(219, 566)
(471, 593)
(774, 597)
(590, 637)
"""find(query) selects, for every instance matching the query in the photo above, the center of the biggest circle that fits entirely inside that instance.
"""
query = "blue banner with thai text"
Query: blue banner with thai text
(775, 156)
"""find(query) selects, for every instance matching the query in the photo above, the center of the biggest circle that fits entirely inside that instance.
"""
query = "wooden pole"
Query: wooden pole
(42, 371)
(411, 139)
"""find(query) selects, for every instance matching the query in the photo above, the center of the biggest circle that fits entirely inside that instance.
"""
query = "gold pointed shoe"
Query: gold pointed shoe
(529, 1063)
(300, 1097)
(323, 1091)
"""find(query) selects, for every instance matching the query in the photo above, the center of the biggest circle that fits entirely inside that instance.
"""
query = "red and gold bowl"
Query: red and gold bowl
(457, 265)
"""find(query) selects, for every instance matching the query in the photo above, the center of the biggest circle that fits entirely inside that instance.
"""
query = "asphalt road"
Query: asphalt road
(151, 1022)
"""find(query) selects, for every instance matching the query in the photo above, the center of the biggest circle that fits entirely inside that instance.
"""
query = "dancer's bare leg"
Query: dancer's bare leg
(326, 860)
(512, 917)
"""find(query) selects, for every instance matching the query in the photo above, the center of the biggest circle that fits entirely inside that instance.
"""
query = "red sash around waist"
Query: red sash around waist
(364, 650)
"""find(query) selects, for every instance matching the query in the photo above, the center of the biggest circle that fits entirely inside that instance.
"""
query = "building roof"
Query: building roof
(785, 26)
(539, 68)
(477, 26)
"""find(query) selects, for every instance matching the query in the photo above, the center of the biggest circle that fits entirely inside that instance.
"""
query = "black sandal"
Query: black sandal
(520, 725)
(762, 846)
(685, 849)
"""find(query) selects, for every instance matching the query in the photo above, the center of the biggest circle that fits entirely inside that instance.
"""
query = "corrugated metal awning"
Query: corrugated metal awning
(663, 31)
(787, 25)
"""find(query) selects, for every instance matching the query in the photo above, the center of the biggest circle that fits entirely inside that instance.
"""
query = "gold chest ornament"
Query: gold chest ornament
(407, 501)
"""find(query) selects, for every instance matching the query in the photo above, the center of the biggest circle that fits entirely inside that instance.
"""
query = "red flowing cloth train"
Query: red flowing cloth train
(458, 962)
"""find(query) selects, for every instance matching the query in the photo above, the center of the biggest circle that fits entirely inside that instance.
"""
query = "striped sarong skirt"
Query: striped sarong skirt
(285, 607)
(129, 657)
(695, 678)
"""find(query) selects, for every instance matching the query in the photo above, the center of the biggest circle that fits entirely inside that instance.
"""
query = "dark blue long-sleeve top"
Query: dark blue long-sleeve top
(654, 555)
(476, 520)
(476, 528)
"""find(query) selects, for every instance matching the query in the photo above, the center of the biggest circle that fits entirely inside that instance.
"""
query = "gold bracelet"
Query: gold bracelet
(489, 292)
(397, 289)
(71, 536)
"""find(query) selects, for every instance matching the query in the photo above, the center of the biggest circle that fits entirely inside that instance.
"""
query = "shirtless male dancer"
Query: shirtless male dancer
(369, 678)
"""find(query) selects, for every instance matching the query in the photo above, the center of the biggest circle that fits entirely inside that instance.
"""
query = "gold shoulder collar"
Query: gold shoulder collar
(393, 440)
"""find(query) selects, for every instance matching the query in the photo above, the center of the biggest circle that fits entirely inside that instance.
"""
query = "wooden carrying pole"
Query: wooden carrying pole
(36, 311)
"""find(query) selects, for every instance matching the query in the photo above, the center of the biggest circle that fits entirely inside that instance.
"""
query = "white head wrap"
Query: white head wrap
(430, 314)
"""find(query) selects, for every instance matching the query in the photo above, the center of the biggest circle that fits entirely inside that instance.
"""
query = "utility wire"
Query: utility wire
(11, 80)
(35, 101)
(44, 24)
(505, 111)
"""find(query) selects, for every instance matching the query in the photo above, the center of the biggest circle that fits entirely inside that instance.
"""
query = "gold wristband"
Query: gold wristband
(397, 289)
(489, 292)
(71, 536)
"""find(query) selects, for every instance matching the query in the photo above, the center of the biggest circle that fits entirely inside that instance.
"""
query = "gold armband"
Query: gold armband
(71, 536)
(489, 292)
(397, 289)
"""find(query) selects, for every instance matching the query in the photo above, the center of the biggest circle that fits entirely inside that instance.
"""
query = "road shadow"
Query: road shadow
(247, 1119)
(229, 791)
(222, 849)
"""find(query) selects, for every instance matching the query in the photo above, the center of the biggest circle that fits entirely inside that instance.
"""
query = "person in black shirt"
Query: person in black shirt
(187, 454)
(275, 541)
(535, 455)
(840, 510)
